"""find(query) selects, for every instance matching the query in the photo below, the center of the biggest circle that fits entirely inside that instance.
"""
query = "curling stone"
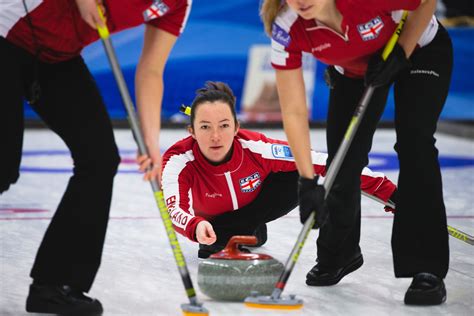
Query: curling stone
(231, 275)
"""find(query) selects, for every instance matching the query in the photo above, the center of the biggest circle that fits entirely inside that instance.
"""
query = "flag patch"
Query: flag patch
(157, 9)
(281, 151)
(370, 30)
(279, 35)
(250, 183)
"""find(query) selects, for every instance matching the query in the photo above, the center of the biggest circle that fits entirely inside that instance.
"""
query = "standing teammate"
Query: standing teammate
(349, 35)
(40, 46)
(223, 181)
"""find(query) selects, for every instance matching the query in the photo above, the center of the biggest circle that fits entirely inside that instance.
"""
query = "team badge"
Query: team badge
(370, 30)
(279, 35)
(250, 183)
(157, 9)
(281, 151)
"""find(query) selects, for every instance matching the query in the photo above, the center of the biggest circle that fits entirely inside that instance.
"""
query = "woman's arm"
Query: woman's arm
(291, 92)
(415, 25)
(149, 93)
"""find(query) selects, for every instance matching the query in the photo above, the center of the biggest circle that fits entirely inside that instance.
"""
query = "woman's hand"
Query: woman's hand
(205, 233)
(90, 13)
(153, 161)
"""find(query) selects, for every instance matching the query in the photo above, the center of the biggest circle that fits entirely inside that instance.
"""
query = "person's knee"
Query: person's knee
(102, 164)
(8, 179)
(412, 145)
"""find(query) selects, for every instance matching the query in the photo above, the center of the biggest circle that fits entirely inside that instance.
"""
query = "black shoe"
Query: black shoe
(206, 250)
(62, 300)
(426, 289)
(261, 234)
(319, 276)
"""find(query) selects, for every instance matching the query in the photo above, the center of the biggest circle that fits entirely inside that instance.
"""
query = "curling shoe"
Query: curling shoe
(426, 289)
(62, 300)
(319, 276)
(261, 234)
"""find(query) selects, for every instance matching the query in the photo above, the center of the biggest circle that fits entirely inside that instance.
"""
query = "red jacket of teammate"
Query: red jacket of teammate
(367, 26)
(61, 33)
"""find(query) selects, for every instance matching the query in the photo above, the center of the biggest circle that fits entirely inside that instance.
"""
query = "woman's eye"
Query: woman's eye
(225, 125)
(204, 127)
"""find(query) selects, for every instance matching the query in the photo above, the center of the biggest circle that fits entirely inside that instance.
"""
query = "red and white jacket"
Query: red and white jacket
(61, 32)
(367, 25)
(196, 190)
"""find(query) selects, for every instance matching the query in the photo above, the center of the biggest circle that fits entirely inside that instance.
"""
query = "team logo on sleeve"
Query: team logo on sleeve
(281, 151)
(250, 183)
(279, 35)
(157, 9)
(370, 30)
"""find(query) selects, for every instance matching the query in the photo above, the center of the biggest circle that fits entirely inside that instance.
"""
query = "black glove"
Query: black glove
(381, 73)
(311, 199)
(394, 199)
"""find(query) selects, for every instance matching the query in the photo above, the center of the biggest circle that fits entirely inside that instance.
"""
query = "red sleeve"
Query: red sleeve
(376, 184)
(174, 19)
(176, 185)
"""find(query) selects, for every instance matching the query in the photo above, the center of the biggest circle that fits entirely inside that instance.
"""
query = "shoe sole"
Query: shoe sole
(39, 306)
(356, 264)
(425, 299)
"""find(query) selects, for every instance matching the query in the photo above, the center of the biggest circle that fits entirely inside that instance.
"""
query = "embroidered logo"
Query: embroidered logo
(320, 47)
(157, 9)
(281, 151)
(279, 35)
(213, 195)
(424, 72)
(250, 183)
(370, 30)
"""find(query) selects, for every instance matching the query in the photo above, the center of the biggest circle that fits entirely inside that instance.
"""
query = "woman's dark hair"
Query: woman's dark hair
(214, 91)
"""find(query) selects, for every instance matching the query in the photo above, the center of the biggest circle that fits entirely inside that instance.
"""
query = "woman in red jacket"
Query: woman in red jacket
(223, 181)
(349, 35)
(40, 47)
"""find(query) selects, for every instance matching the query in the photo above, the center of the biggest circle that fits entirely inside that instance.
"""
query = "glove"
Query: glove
(311, 199)
(394, 199)
(381, 73)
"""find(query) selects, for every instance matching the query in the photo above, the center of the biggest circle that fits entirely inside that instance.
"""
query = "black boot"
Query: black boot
(426, 289)
(321, 276)
(206, 250)
(261, 234)
(62, 300)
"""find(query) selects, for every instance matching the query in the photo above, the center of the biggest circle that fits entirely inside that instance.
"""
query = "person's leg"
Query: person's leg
(72, 107)
(277, 197)
(420, 95)
(13, 79)
(338, 241)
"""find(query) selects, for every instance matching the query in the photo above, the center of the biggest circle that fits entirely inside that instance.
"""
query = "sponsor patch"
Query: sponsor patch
(281, 151)
(250, 183)
(157, 9)
(370, 30)
(279, 35)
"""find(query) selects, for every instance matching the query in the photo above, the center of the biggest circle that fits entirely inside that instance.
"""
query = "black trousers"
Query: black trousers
(419, 237)
(459, 8)
(70, 104)
(278, 197)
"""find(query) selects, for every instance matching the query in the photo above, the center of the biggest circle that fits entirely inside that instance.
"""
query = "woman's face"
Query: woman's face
(307, 9)
(214, 130)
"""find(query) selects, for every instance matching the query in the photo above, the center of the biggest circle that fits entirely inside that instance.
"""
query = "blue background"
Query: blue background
(215, 45)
